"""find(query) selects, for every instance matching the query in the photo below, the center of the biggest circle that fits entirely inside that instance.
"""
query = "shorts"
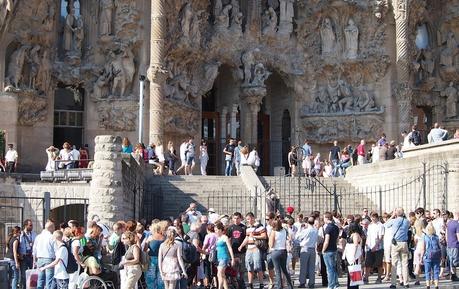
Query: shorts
(253, 260)
(189, 160)
(296, 251)
(374, 259)
(453, 257)
(222, 263)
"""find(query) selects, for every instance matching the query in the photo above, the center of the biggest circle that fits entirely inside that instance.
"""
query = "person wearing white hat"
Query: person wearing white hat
(213, 217)
(52, 153)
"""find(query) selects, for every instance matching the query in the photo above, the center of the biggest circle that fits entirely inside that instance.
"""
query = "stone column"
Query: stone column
(234, 124)
(252, 97)
(157, 74)
(223, 124)
(106, 198)
(404, 91)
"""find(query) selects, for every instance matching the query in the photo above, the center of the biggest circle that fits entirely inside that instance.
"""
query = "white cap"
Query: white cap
(211, 210)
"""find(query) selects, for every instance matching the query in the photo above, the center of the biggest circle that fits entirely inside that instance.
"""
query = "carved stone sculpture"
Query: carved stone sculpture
(222, 21)
(35, 63)
(32, 107)
(218, 7)
(44, 71)
(451, 100)
(195, 32)
(16, 66)
(235, 11)
(69, 29)
(270, 23)
(118, 117)
(185, 22)
(351, 33)
(260, 74)
(248, 61)
(424, 65)
(79, 36)
(286, 17)
(123, 70)
(449, 52)
(328, 38)
(106, 15)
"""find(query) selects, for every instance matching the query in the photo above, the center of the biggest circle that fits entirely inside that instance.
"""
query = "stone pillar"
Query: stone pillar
(157, 74)
(404, 91)
(106, 198)
(223, 123)
(252, 97)
(234, 124)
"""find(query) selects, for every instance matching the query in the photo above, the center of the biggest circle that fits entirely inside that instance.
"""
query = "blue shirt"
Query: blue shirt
(307, 149)
(400, 227)
(26, 242)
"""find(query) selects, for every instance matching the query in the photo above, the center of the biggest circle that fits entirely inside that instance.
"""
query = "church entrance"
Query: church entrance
(68, 116)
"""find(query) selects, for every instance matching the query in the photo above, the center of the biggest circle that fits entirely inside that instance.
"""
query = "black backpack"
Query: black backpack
(118, 253)
(72, 265)
(189, 252)
(416, 137)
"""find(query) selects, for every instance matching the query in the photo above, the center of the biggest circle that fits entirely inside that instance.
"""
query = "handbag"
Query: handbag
(355, 274)
(213, 256)
(262, 244)
(32, 278)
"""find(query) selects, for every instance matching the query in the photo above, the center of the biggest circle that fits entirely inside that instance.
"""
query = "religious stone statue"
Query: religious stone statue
(248, 60)
(260, 74)
(185, 22)
(16, 65)
(69, 29)
(122, 70)
(106, 8)
(44, 71)
(79, 36)
(270, 25)
(286, 17)
(424, 65)
(34, 65)
(449, 52)
(195, 30)
(235, 13)
(100, 87)
(218, 7)
(273, 3)
(451, 100)
(351, 33)
(328, 37)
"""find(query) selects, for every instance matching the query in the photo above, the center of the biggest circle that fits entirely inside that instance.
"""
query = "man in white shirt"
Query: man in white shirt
(213, 217)
(374, 247)
(60, 263)
(76, 156)
(44, 254)
(437, 134)
(308, 237)
(193, 214)
(11, 159)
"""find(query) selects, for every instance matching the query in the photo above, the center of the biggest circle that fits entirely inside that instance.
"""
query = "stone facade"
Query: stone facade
(342, 69)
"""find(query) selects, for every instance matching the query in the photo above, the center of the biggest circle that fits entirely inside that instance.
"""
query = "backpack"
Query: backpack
(72, 265)
(189, 252)
(416, 137)
(433, 250)
(118, 253)
(144, 260)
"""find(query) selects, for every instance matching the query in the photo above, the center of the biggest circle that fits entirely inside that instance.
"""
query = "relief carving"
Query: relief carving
(450, 93)
(351, 33)
(328, 38)
(181, 120)
(106, 15)
(33, 107)
(118, 117)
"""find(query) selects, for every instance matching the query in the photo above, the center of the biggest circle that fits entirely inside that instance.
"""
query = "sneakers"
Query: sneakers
(365, 280)
(378, 281)
(417, 283)
(392, 286)
(454, 278)
(302, 286)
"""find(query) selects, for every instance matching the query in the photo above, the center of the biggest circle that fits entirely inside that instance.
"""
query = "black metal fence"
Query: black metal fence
(14, 210)
(428, 189)
(133, 183)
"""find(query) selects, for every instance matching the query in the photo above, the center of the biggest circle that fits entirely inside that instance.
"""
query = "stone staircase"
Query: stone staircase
(225, 194)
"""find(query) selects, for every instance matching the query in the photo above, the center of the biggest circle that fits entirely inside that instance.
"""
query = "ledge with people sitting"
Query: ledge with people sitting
(426, 149)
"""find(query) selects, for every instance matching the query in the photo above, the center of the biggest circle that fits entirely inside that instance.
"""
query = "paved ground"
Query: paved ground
(342, 281)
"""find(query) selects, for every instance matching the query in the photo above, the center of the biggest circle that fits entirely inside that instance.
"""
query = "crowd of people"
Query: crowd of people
(169, 162)
(69, 157)
(198, 250)
(302, 160)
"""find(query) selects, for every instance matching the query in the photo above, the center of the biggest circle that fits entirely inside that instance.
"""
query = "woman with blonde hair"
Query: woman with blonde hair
(152, 276)
(431, 252)
(170, 262)
(171, 157)
(131, 261)
(417, 255)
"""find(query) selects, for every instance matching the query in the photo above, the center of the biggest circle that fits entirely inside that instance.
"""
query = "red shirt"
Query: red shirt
(361, 150)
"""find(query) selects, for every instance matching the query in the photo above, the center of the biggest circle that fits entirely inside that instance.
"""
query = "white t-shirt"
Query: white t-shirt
(375, 232)
(11, 156)
(388, 235)
(59, 270)
(182, 151)
(76, 244)
(76, 154)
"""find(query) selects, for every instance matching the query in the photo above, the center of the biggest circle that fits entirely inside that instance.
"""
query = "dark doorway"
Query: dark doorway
(286, 137)
(211, 131)
(69, 212)
(424, 120)
(264, 143)
(68, 116)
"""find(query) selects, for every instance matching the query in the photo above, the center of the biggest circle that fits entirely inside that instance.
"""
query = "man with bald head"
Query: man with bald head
(399, 247)
(43, 254)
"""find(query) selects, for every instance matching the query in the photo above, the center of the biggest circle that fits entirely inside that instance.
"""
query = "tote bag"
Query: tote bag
(355, 274)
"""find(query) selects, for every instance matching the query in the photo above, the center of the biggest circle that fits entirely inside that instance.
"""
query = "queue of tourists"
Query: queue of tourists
(212, 250)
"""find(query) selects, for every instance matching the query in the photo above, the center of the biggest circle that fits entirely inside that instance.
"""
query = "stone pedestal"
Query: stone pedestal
(106, 198)
(251, 97)
(9, 117)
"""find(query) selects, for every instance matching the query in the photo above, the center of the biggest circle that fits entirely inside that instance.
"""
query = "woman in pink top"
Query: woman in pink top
(209, 248)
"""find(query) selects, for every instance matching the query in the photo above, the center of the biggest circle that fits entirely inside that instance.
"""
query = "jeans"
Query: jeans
(432, 269)
(330, 263)
(26, 264)
(307, 267)
(279, 258)
(229, 167)
(45, 278)
(14, 273)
